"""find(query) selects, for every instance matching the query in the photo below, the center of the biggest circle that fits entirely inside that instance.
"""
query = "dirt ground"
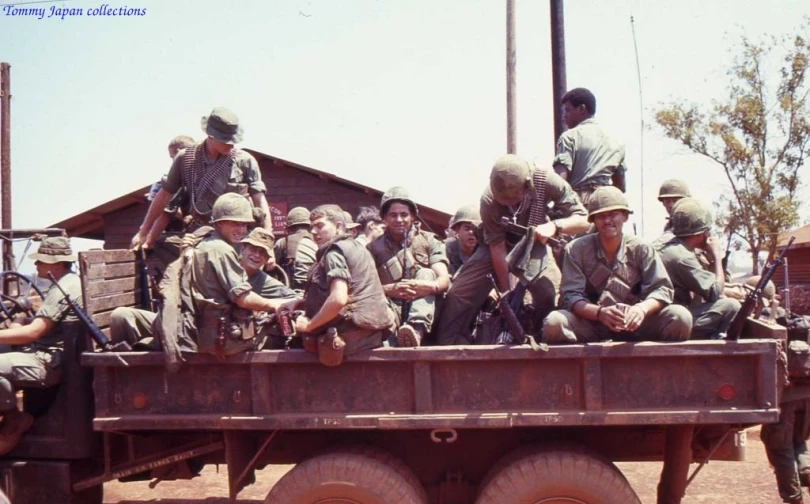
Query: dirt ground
(749, 482)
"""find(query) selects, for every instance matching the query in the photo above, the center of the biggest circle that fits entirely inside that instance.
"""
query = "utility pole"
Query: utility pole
(558, 79)
(5, 160)
(511, 109)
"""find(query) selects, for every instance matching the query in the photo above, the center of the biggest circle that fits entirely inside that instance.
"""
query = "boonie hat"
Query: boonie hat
(223, 124)
(54, 249)
(261, 238)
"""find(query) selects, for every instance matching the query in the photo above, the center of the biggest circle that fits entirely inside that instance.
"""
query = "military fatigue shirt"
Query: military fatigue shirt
(455, 255)
(56, 309)
(424, 249)
(558, 191)
(636, 263)
(268, 287)
(687, 274)
(304, 260)
(590, 155)
(216, 274)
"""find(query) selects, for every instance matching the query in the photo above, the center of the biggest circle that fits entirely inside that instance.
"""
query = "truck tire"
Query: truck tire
(349, 477)
(555, 474)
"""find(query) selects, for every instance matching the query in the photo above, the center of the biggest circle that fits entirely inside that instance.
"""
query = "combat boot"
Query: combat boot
(409, 336)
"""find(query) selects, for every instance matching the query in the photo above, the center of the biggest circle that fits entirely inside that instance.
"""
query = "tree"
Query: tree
(758, 134)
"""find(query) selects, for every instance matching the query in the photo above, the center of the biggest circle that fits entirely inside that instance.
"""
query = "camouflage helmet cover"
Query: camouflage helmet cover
(395, 194)
(232, 207)
(690, 217)
(673, 188)
(298, 216)
(605, 199)
(469, 214)
(510, 177)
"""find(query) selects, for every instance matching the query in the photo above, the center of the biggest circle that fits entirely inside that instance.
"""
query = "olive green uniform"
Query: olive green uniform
(38, 364)
(471, 286)
(455, 255)
(786, 448)
(296, 254)
(591, 156)
(424, 250)
(712, 314)
(636, 274)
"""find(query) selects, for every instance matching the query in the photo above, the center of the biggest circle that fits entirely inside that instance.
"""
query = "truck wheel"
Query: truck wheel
(347, 477)
(564, 476)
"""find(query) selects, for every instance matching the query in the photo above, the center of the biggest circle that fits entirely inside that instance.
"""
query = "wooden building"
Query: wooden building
(798, 257)
(288, 185)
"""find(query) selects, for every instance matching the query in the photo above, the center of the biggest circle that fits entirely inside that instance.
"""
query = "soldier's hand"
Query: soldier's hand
(301, 324)
(712, 247)
(545, 231)
(401, 290)
(612, 317)
(189, 240)
(633, 317)
(136, 242)
(422, 288)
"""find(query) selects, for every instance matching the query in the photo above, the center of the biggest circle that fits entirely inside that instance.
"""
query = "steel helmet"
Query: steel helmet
(768, 292)
(232, 207)
(604, 199)
(298, 216)
(673, 188)
(690, 217)
(397, 194)
(510, 177)
(468, 213)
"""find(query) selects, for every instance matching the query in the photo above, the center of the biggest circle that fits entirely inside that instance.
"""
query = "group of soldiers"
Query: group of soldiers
(342, 285)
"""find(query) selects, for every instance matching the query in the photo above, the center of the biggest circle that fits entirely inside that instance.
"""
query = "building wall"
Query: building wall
(798, 261)
(284, 183)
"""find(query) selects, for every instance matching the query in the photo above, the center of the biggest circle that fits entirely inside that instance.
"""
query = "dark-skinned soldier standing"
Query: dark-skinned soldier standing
(466, 226)
(345, 306)
(295, 253)
(412, 266)
(517, 191)
(712, 313)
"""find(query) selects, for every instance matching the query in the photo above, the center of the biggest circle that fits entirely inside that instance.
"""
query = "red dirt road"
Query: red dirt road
(749, 482)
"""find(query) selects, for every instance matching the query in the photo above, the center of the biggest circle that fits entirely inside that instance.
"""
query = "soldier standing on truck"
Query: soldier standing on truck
(207, 170)
(587, 156)
(344, 304)
(699, 290)
(295, 253)
(614, 285)
(466, 226)
(412, 266)
(38, 345)
(517, 190)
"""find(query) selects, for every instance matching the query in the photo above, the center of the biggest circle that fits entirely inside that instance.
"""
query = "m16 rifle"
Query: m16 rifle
(753, 297)
(406, 305)
(99, 337)
(515, 334)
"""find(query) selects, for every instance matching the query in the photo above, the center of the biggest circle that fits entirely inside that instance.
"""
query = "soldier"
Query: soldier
(466, 226)
(412, 266)
(695, 288)
(38, 345)
(352, 227)
(295, 253)
(206, 171)
(371, 224)
(257, 251)
(670, 192)
(516, 191)
(345, 306)
(614, 284)
(587, 156)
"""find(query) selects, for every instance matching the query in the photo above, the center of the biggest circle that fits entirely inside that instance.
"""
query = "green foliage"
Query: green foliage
(758, 134)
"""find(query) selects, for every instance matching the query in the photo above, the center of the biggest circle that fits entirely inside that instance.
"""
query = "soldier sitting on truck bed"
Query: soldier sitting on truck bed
(614, 285)
(371, 224)
(344, 304)
(466, 227)
(519, 192)
(412, 266)
(699, 290)
(30, 354)
(295, 252)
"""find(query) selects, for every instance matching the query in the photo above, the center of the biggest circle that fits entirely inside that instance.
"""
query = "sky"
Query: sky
(383, 92)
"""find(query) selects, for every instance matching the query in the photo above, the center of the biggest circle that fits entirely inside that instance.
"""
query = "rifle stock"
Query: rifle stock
(99, 337)
(512, 322)
(751, 300)
(406, 305)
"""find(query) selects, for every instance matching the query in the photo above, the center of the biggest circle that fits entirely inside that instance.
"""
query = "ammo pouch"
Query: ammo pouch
(392, 271)
(225, 330)
(798, 359)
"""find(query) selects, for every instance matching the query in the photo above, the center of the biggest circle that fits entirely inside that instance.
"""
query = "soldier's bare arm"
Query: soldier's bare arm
(260, 200)
(252, 301)
(155, 210)
(619, 181)
(337, 300)
(562, 171)
(638, 312)
(24, 335)
(157, 228)
(499, 264)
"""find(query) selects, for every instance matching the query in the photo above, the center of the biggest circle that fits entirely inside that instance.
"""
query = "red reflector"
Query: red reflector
(726, 392)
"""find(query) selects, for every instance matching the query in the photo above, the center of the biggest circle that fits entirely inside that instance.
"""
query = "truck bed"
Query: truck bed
(606, 384)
